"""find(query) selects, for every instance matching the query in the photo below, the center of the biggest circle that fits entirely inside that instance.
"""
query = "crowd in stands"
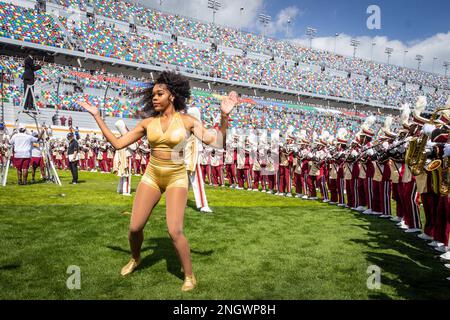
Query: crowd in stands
(253, 112)
(229, 37)
(367, 83)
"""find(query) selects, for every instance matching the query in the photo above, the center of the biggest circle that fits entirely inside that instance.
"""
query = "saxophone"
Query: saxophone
(418, 155)
(412, 146)
(445, 175)
(440, 169)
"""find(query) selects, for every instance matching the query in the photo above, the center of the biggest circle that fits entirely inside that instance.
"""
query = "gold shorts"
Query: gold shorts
(165, 174)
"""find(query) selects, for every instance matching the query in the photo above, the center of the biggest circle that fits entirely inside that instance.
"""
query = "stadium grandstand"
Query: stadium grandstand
(97, 56)
(301, 173)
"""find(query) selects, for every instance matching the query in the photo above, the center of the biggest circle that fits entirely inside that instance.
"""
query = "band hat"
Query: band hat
(406, 112)
(341, 136)
(442, 138)
(444, 118)
(367, 132)
(419, 119)
(21, 127)
(389, 134)
(419, 109)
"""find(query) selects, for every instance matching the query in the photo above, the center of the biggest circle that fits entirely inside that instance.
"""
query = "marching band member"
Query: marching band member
(243, 163)
(321, 155)
(204, 163)
(410, 196)
(122, 162)
(300, 188)
(385, 164)
(284, 188)
(313, 171)
(192, 152)
(332, 169)
(340, 161)
(365, 169)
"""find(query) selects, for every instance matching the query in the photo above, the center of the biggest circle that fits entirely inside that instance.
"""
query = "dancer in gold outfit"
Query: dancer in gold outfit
(167, 127)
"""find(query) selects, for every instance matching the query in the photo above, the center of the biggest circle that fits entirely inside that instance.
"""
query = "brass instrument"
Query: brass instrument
(445, 175)
(411, 148)
(419, 156)
(416, 155)
(440, 169)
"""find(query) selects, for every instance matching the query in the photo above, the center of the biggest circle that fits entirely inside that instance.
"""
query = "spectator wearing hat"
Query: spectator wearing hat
(22, 145)
(72, 153)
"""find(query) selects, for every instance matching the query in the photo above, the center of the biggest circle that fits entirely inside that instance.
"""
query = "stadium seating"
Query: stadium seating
(100, 39)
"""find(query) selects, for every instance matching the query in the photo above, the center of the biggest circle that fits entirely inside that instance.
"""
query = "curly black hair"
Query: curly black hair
(178, 86)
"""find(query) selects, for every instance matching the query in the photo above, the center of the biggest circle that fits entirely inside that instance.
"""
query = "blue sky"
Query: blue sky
(410, 27)
(405, 20)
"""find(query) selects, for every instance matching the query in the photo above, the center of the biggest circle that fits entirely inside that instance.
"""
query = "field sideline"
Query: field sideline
(254, 246)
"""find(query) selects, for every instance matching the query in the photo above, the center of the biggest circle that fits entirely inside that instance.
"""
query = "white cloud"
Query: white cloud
(229, 14)
(435, 46)
(284, 22)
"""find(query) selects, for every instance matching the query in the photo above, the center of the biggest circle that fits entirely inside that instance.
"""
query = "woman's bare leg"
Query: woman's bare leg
(144, 202)
(176, 199)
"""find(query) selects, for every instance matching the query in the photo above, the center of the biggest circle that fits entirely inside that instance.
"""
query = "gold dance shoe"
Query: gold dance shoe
(189, 283)
(129, 268)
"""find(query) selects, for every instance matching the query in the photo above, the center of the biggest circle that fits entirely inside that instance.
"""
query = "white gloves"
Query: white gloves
(430, 144)
(447, 150)
(385, 145)
(428, 129)
(354, 153)
(370, 152)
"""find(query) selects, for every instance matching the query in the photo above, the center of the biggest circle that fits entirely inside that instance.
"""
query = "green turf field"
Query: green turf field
(254, 246)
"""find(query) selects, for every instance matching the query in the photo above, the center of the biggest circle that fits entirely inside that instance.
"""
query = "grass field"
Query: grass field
(254, 246)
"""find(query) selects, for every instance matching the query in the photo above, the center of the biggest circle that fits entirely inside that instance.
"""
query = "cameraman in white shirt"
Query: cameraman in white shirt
(22, 144)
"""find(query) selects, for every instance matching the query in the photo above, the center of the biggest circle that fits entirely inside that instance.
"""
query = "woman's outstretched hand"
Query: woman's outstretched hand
(89, 107)
(228, 103)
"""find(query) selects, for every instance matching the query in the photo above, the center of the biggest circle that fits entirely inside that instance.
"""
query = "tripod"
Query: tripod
(50, 170)
(4, 165)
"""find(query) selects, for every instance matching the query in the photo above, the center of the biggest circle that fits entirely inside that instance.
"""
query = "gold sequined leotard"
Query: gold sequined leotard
(165, 174)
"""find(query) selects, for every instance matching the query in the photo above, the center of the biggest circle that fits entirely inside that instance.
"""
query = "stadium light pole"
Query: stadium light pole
(446, 64)
(419, 59)
(434, 61)
(389, 51)
(371, 52)
(311, 33)
(287, 26)
(355, 43)
(214, 6)
(335, 41)
(404, 58)
(241, 11)
(264, 19)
